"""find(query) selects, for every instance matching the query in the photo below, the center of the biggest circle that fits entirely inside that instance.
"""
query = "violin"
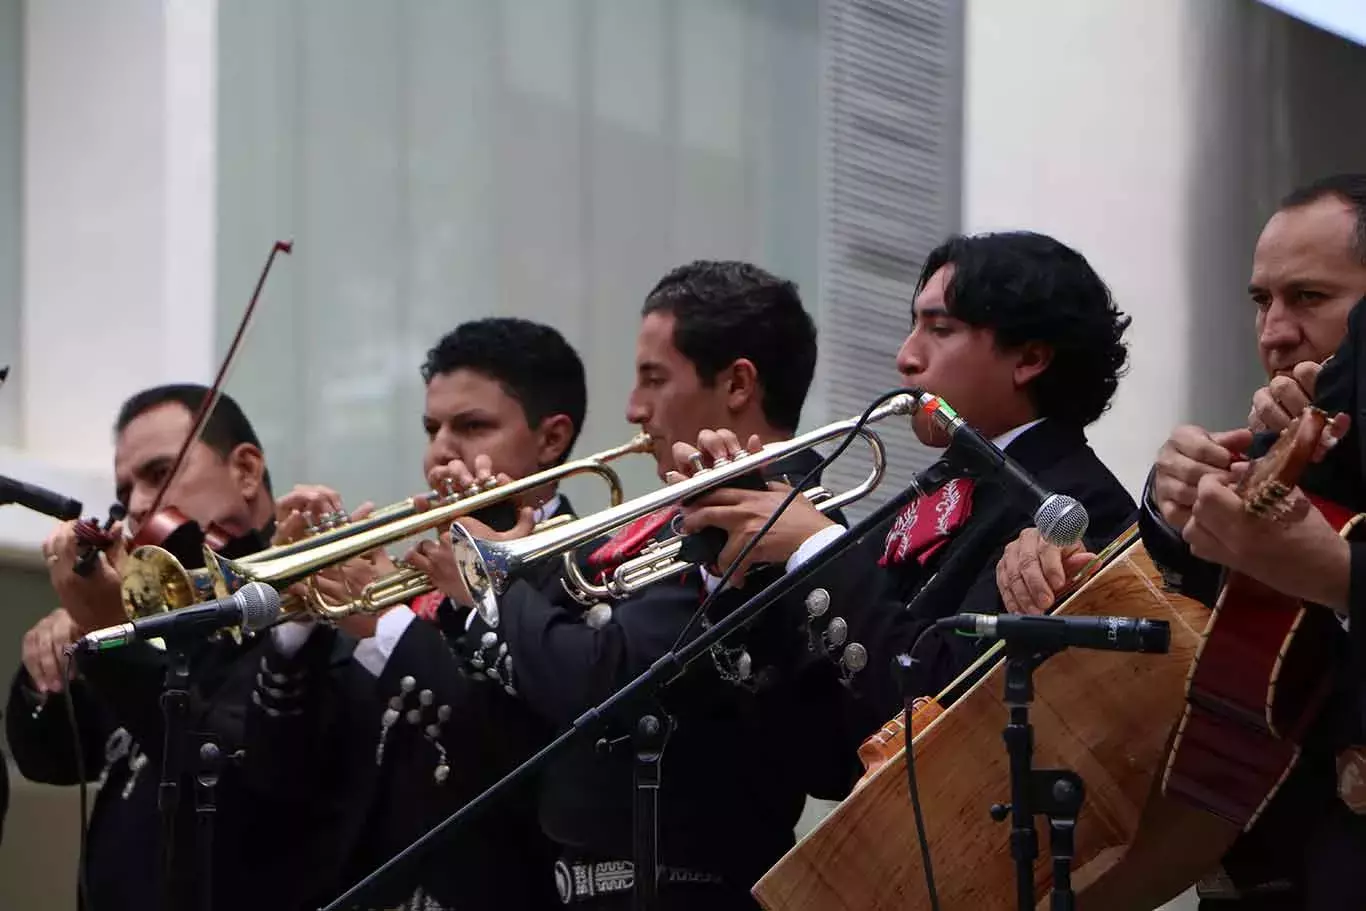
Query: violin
(168, 527)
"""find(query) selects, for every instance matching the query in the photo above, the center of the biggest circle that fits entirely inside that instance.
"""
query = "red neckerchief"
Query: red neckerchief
(629, 541)
(424, 606)
(927, 523)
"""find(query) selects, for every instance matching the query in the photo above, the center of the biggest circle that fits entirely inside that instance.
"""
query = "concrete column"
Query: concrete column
(118, 220)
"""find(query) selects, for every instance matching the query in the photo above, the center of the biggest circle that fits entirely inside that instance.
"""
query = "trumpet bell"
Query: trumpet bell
(154, 582)
(486, 567)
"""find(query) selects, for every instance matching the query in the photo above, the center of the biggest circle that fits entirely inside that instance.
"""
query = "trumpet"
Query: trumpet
(154, 581)
(487, 567)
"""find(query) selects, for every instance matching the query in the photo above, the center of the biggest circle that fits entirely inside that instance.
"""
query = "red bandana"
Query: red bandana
(629, 541)
(927, 523)
(425, 606)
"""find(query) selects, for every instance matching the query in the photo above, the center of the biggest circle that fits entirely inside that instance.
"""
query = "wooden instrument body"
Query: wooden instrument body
(1262, 671)
(1106, 715)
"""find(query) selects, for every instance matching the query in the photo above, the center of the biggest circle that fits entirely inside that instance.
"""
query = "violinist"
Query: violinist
(222, 484)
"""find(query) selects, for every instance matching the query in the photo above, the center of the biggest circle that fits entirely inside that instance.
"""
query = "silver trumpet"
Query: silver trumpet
(488, 566)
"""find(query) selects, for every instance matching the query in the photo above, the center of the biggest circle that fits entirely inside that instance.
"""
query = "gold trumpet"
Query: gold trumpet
(488, 566)
(154, 581)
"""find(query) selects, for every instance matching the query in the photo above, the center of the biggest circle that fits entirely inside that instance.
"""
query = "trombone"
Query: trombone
(488, 566)
(154, 581)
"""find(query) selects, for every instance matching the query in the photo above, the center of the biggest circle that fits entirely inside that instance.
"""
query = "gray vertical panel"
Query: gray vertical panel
(11, 213)
(893, 109)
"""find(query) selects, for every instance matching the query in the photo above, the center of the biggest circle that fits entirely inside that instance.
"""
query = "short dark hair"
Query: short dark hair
(724, 311)
(1028, 287)
(1350, 188)
(226, 428)
(533, 363)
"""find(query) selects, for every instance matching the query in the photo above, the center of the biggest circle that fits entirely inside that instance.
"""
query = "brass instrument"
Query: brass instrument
(487, 566)
(154, 581)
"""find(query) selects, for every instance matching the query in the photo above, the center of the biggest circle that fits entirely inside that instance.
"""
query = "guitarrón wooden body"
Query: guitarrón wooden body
(1105, 715)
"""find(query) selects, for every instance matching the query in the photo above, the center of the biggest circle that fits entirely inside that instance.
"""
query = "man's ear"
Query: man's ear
(248, 466)
(1031, 359)
(554, 436)
(740, 382)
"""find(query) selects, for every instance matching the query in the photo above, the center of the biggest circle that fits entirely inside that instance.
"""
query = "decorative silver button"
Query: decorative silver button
(425, 697)
(407, 684)
(817, 602)
(744, 665)
(855, 657)
(443, 713)
(507, 666)
(598, 616)
(488, 640)
(414, 716)
(396, 703)
(837, 633)
(390, 716)
(433, 731)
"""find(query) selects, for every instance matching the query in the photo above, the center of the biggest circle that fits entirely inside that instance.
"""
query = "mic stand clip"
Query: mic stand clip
(1055, 793)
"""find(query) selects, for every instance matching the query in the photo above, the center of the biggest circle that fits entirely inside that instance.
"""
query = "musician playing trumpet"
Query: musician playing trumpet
(1020, 336)
(394, 719)
(720, 343)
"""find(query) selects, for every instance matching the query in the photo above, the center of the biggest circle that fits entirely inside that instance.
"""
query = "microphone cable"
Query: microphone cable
(82, 881)
(797, 491)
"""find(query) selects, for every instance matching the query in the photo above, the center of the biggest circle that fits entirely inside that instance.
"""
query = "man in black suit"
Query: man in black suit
(1020, 336)
(720, 343)
(223, 480)
(377, 734)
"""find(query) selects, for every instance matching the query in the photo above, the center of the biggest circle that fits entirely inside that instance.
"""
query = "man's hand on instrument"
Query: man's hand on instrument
(1032, 572)
(437, 558)
(96, 600)
(1297, 554)
(455, 477)
(342, 583)
(44, 650)
(306, 509)
(1190, 454)
(741, 512)
(1280, 401)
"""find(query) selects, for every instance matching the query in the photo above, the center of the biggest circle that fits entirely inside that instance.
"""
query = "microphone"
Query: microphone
(254, 606)
(1059, 518)
(39, 499)
(1116, 634)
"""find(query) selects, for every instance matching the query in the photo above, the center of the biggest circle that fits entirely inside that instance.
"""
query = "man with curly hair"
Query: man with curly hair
(1019, 335)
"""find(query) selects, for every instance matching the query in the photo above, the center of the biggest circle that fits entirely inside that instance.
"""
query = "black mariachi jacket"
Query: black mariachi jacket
(888, 609)
(120, 725)
(752, 736)
(367, 765)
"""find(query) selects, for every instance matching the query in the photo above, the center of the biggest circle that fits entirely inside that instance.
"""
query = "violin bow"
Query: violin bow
(97, 538)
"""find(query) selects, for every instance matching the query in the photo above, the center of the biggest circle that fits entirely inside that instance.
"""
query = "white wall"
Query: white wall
(117, 230)
(1077, 125)
(1156, 136)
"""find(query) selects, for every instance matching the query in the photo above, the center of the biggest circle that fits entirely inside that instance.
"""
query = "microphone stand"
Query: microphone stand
(667, 668)
(175, 708)
(1056, 793)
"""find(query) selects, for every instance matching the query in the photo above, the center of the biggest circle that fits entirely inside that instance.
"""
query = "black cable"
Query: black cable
(906, 662)
(797, 490)
(82, 884)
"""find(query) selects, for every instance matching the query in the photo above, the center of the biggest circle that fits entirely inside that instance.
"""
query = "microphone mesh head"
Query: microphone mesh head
(260, 605)
(1061, 520)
